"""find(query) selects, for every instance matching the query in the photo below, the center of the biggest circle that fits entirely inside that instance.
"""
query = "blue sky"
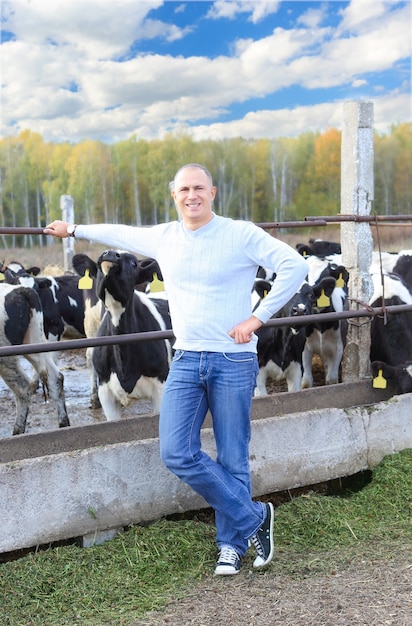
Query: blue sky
(106, 69)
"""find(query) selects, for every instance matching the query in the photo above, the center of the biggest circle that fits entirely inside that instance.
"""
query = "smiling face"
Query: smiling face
(193, 194)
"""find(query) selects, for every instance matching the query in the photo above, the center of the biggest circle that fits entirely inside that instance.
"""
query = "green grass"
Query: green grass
(119, 581)
(380, 510)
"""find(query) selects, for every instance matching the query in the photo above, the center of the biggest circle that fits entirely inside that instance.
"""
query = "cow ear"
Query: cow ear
(10, 276)
(82, 262)
(148, 267)
(33, 271)
(341, 274)
(326, 285)
(43, 282)
(304, 249)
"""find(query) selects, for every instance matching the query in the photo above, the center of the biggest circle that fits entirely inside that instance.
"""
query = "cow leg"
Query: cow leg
(261, 379)
(331, 355)
(19, 383)
(307, 357)
(150, 387)
(110, 404)
(53, 381)
(293, 375)
(94, 381)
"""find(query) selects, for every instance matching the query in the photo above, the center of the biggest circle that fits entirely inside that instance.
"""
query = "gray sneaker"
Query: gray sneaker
(263, 539)
(228, 563)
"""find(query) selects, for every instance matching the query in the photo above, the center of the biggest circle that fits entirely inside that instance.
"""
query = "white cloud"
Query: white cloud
(62, 76)
(292, 122)
(92, 27)
(359, 83)
(312, 17)
(361, 14)
(231, 8)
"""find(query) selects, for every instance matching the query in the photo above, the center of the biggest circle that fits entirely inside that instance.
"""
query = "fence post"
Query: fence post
(356, 238)
(67, 208)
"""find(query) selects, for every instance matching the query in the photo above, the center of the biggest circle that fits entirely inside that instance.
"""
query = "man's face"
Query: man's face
(193, 195)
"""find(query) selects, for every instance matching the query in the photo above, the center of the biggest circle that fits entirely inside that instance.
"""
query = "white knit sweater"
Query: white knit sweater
(208, 274)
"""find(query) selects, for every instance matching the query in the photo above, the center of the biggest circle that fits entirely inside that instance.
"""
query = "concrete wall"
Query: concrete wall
(81, 481)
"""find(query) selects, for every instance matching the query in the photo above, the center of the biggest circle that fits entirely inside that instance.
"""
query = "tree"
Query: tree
(90, 180)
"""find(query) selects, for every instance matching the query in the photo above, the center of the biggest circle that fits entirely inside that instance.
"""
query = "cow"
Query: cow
(61, 299)
(392, 262)
(391, 334)
(327, 339)
(86, 268)
(319, 248)
(15, 267)
(400, 375)
(134, 370)
(21, 322)
(280, 348)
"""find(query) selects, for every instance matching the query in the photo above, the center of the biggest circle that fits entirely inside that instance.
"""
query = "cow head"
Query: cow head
(400, 375)
(119, 273)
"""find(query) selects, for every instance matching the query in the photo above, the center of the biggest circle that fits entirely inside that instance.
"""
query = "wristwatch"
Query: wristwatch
(71, 230)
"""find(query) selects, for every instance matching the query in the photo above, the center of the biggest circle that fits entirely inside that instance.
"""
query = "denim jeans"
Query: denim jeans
(224, 384)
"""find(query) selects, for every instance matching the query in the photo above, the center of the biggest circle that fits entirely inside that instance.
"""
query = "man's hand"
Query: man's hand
(243, 332)
(57, 229)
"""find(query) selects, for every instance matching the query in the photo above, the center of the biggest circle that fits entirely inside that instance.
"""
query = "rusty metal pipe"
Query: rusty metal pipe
(74, 344)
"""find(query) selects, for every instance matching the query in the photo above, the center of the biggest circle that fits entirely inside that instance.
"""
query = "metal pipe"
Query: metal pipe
(360, 218)
(74, 344)
(307, 222)
(15, 230)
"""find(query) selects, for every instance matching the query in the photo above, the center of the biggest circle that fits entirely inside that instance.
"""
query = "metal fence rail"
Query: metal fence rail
(307, 222)
(74, 344)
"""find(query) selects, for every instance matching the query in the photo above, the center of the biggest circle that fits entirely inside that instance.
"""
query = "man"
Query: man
(208, 264)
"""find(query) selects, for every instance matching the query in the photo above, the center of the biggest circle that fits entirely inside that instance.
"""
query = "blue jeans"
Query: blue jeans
(224, 384)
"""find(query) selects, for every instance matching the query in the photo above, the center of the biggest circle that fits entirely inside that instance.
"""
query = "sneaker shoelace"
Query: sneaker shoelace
(255, 541)
(228, 555)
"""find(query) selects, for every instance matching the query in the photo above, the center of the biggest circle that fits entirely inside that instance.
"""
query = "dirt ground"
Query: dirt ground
(368, 591)
(373, 588)
(42, 414)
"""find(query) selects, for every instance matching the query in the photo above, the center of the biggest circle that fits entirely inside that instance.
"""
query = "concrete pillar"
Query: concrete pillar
(67, 208)
(356, 238)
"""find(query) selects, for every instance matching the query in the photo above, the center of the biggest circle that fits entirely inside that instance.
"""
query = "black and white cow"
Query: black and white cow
(326, 339)
(280, 348)
(135, 370)
(319, 248)
(61, 299)
(21, 322)
(15, 267)
(87, 269)
(391, 335)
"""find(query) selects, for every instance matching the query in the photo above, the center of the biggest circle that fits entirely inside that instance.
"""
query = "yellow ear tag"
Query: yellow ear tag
(85, 282)
(340, 282)
(156, 285)
(323, 300)
(265, 293)
(1, 276)
(379, 382)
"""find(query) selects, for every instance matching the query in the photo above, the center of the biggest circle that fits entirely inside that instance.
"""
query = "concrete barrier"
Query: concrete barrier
(85, 481)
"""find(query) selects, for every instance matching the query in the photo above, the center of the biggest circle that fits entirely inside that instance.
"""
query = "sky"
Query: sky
(109, 69)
